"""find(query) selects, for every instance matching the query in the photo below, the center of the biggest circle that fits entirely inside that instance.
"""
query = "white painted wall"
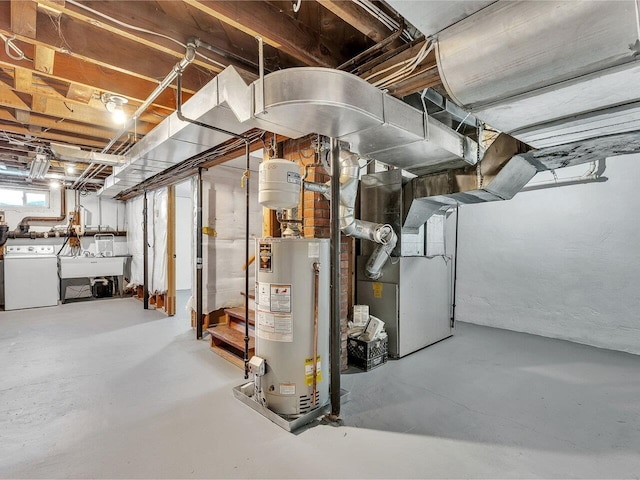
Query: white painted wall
(106, 212)
(561, 262)
(100, 211)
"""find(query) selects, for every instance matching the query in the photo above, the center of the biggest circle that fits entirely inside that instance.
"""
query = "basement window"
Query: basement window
(20, 197)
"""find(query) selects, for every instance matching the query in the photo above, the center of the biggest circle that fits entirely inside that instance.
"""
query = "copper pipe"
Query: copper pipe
(24, 224)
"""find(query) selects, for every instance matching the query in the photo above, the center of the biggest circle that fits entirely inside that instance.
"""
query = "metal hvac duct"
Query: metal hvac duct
(296, 102)
(501, 174)
(549, 72)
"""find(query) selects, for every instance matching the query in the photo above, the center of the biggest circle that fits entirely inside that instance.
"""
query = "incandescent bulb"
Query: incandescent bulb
(119, 116)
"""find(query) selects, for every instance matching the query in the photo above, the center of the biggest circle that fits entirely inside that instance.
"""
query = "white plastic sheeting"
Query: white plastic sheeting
(157, 229)
(223, 254)
(134, 217)
(157, 219)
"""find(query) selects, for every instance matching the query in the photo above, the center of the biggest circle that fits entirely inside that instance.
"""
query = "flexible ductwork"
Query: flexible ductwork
(548, 73)
(382, 234)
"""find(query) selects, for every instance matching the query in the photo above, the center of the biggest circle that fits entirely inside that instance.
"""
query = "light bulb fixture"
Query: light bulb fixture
(53, 184)
(113, 104)
(70, 168)
(39, 166)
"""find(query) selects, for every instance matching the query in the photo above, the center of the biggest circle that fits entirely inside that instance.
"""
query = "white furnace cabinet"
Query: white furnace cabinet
(413, 299)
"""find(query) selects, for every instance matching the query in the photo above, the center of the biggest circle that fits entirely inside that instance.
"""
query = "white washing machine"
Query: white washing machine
(30, 276)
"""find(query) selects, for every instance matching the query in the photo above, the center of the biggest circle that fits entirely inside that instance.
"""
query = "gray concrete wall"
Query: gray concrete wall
(562, 262)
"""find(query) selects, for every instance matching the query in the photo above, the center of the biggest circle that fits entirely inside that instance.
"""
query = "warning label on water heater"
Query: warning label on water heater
(274, 327)
(308, 371)
(264, 296)
(280, 298)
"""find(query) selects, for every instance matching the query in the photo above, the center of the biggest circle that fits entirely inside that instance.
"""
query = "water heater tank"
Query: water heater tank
(279, 184)
(292, 277)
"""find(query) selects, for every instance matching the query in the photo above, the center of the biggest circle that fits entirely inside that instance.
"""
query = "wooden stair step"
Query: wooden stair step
(228, 342)
(237, 314)
(231, 336)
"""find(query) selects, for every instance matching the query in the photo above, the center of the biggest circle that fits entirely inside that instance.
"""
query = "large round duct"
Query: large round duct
(522, 65)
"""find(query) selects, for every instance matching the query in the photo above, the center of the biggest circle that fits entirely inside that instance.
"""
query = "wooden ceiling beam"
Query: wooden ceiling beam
(104, 48)
(88, 44)
(358, 17)
(9, 99)
(22, 79)
(48, 135)
(22, 116)
(62, 109)
(44, 59)
(429, 77)
(75, 71)
(261, 19)
(47, 101)
(79, 93)
(23, 17)
(63, 126)
(152, 17)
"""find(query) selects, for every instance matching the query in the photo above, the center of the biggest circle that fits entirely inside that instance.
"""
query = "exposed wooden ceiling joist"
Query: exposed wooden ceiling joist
(76, 50)
(355, 15)
(174, 30)
(61, 125)
(48, 135)
(73, 70)
(261, 19)
(23, 18)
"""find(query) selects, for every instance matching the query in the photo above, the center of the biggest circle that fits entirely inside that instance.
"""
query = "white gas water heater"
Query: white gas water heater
(291, 363)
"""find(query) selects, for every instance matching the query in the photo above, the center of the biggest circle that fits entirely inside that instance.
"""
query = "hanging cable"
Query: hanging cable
(406, 67)
(9, 45)
(140, 29)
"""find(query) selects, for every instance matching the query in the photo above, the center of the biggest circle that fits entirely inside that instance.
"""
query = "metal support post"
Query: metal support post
(335, 331)
(145, 254)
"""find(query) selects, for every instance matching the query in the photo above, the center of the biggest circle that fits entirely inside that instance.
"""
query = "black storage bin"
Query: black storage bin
(102, 289)
(367, 355)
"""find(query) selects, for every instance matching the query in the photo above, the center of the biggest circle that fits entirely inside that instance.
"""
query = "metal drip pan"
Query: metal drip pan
(289, 424)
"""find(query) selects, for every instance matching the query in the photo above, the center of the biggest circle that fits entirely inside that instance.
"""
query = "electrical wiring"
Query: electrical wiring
(385, 19)
(9, 45)
(141, 30)
(406, 67)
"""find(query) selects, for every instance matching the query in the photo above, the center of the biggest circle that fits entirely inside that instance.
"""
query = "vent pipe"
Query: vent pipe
(382, 234)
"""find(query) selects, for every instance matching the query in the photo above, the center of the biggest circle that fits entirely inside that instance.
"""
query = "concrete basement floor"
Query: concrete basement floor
(105, 389)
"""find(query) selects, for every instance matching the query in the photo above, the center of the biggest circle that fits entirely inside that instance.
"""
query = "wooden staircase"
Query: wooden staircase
(227, 339)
